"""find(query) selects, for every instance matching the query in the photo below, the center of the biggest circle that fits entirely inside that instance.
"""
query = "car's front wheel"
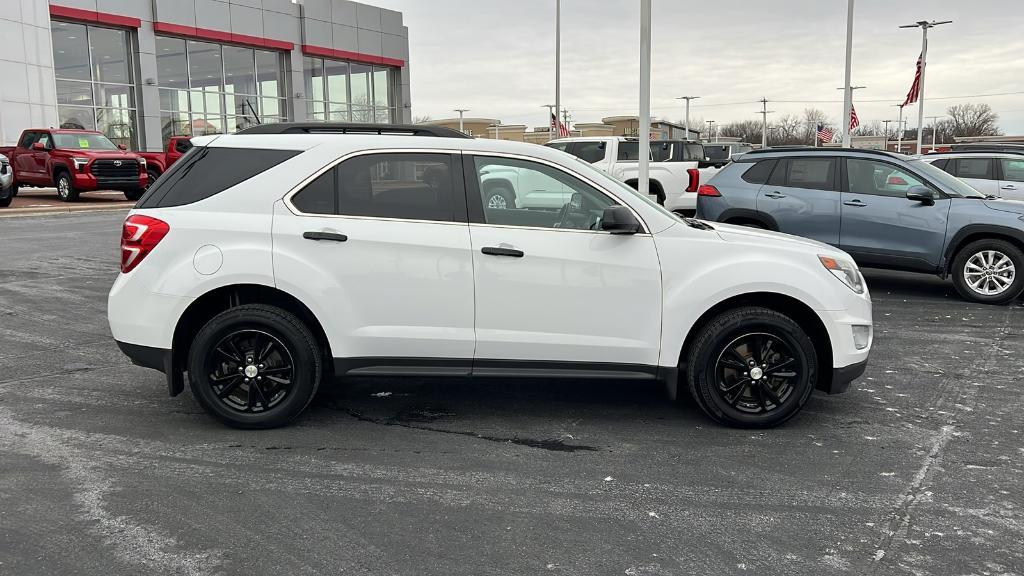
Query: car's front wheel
(255, 366)
(989, 271)
(751, 367)
(499, 198)
(134, 195)
(66, 188)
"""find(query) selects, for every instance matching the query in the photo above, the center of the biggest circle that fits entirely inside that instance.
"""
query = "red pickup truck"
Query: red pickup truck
(158, 162)
(75, 161)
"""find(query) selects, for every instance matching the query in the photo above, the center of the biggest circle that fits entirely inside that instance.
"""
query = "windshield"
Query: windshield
(950, 184)
(715, 152)
(84, 141)
(595, 174)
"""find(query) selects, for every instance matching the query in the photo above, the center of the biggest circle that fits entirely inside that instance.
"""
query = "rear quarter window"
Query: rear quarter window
(204, 172)
(759, 172)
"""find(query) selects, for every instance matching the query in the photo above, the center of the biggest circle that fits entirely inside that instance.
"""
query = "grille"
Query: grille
(128, 171)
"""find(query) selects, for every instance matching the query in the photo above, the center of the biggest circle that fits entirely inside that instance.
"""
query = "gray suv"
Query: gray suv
(887, 210)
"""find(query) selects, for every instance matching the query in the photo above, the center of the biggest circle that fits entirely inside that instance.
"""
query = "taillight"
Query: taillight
(139, 235)
(694, 175)
(896, 181)
(708, 190)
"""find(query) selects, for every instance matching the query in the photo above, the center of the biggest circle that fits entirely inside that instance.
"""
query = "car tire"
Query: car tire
(134, 195)
(499, 198)
(255, 366)
(5, 202)
(151, 177)
(66, 188)
(982, 269)
(14, 190)
(751, 367)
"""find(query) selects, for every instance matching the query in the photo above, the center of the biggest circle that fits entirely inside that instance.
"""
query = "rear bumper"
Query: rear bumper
(147, 356)
(842, 377)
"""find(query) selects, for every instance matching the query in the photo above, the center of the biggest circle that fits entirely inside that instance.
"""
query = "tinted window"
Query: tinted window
(715, 152)
(28, 139)
(879, 178)
(319, 196)
(558, 145)
(589, 151)
(544, 197)
(1013, 170)
(813, 173)
(661, 151)
(182, 146)
(629, 151)
(974, 168)
(409, 186)
(759, 173)
(204, 172)
(694, 152)
(940, 163)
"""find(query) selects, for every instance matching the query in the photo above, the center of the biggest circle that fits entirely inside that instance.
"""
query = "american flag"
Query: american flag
(854, 121)
(825, 134)
(915, 88)
(563, 131)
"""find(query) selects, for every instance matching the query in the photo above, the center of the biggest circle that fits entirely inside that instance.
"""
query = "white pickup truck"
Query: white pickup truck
(674, 184)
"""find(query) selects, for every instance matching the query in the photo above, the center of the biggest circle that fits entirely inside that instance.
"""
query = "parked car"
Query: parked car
(725, 151)
(267, 261)
(158, 162)
(673, 184)
(6, 182)
(75, 161)
(885, 209)
(683, 151)
(996, 174)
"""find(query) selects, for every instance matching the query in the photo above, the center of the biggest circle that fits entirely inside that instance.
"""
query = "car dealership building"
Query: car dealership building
(141, 71)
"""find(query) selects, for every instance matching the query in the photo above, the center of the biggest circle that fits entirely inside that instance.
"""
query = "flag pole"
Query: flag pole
(848, 92)
(643, 184)
(558, 61)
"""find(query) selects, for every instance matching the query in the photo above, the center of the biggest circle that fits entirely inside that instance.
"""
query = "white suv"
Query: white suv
(266, 262)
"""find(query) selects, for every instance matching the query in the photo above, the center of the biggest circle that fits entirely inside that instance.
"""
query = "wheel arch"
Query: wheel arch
(800, 312)
(975, 232)
(225, 298)
(743, 215)
(656, 187)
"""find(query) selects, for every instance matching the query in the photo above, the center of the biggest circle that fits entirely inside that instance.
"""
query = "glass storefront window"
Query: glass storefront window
(94, 80)
(340, 91)
(209, 88)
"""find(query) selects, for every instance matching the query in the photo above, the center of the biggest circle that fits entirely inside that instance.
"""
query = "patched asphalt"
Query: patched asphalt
(916, 470)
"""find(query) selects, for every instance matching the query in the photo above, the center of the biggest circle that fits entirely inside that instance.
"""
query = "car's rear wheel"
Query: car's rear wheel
(254, 366)
(751, 367)
(151, 176)
(989, 271)
(66, 188)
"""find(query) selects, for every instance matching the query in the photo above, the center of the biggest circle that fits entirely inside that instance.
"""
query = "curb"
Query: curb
(15, 212)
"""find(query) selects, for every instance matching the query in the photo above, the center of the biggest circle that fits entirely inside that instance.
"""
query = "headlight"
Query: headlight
(142, 162)
(845, 271)
(80, 163)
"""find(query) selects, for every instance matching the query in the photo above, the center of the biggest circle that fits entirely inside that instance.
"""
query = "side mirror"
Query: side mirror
(921, 194)
(122, 146)
(38, 147)
(619, 220)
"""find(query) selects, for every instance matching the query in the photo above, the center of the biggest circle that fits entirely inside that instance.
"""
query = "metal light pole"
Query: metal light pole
(935, 126)
(552, 130)
(924, 25)
(687, 98)
(848, 91)
(849, 113)
(558, 61)
(461, 111)
(710, 123)
(886, 133)
(645, 96)
(899, 129)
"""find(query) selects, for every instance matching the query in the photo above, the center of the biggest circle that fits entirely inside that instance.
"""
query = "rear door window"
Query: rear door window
(980, 168)
(812, 173)
(205, 171)
(629, 151)
(411, 186)
(1013, 169)
(319, 196)
(589, 152)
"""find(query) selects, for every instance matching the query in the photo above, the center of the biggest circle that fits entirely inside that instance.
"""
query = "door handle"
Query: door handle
(1009, 187)
(775, 195)
(332, 236)
(855, 203)
(496, 251)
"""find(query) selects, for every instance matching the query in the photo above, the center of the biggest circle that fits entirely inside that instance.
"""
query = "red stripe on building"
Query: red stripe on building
(352, 56)
(219, 36)
(91, 16)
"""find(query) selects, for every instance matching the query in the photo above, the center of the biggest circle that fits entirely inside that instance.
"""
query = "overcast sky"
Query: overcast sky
(496, 57)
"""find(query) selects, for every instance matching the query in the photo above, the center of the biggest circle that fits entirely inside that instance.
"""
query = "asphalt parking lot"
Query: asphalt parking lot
(45, 201)
(916, 470)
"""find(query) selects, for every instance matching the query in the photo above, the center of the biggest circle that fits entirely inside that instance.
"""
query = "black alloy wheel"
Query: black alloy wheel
(255, 366)
(751, 367)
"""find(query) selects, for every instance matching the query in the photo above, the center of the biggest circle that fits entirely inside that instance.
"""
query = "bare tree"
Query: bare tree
(421, 119)
(745, 130)
(870, 129)
(973, 120)
(813, 117)
(787, 130)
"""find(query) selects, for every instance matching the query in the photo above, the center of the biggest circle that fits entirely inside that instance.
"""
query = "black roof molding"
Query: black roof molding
(352, 128)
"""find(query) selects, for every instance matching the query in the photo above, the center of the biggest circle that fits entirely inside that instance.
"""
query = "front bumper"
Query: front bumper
(842, 377)
(85, 182)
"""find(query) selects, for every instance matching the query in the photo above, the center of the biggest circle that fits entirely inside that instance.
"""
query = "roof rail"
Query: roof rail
(988, 146)
(982, 150)
(820, 150)
(352, 128)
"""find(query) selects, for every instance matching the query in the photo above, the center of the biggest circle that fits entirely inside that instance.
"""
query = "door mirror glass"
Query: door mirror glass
(122, 146)
(39, 146)
(619, 220)
(921, 194)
